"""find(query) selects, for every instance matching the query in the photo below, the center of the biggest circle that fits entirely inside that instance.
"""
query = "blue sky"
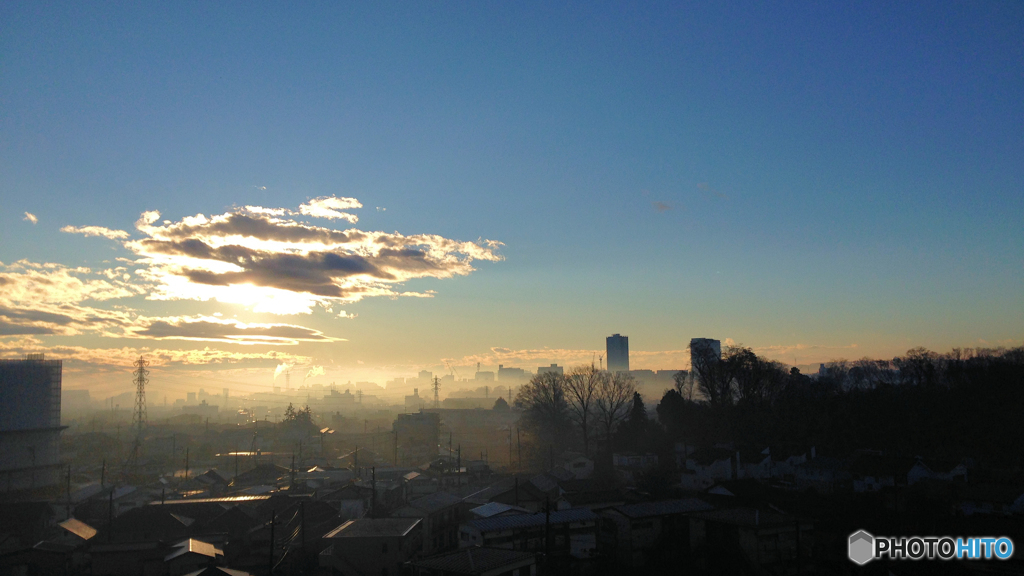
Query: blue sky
(813, 180)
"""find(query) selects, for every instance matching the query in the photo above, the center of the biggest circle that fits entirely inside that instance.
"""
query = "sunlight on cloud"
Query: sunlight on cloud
(121, 357)
(96, 231)
(29, 217)
(331, 208)
(256, 258)
(213, 329)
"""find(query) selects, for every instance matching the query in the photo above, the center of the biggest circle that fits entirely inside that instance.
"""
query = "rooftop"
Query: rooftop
(78, 528)
(517, 521)
(664, 508)
(475, 560)
(437, 501)
(194, 546)
(374, 528)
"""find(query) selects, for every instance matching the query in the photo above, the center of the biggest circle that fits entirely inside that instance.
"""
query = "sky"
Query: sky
(359, 191)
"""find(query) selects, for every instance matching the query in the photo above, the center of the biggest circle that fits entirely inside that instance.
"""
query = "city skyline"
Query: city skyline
(362, 193)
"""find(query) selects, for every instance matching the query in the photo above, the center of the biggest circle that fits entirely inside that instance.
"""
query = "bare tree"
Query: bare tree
(544, 405)
(581, 386)
(614, 395)
(684, 383)
(712, 374)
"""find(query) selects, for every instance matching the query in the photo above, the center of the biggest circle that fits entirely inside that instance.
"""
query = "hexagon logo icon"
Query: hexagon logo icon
(862, 547)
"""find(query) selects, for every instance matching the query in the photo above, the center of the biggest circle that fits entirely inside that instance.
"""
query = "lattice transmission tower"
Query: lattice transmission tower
(139, 415)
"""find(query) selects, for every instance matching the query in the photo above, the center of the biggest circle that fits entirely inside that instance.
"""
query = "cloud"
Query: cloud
(330, 207)
(29, 217)
(96, 231)
(122, 357)
(661, 206)
(256, 257)
(50, 299)
(214, 329)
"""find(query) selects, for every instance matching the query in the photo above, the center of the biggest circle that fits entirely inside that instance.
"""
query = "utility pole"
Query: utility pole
(509, 447)
(270, 561)
(69, 491)
(373, 488)
(437, 387)
(458, 468)
(110, 516)
(547, 531)
(519, 448)
(186, 463)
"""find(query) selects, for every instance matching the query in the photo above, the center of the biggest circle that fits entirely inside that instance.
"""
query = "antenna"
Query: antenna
(600, 361)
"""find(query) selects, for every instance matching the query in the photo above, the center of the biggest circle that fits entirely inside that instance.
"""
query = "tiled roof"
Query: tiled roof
(433, 502)
(516, 521)
(78, 528)
(664, 508)
(495, 508)
(221, 500)
(746, 517)
(195, 547)
(374, 527)
(475, 560)
(218, 571)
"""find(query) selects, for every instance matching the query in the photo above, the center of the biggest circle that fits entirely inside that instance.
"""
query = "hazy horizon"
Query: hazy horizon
(362, 192)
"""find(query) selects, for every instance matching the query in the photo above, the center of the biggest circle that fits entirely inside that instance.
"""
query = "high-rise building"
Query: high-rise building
(704, 349)
(30, 422)
(618, 353)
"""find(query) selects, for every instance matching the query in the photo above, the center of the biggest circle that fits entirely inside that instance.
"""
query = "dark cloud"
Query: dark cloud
(228, 331)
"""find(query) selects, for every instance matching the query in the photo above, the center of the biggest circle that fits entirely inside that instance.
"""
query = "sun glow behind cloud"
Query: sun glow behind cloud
(265, 259)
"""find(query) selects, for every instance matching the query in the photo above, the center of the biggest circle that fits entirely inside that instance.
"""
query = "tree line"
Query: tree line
(967, 402)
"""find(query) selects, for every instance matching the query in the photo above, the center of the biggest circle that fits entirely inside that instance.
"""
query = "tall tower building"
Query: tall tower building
(618, 353)
(705, 350)
(30, 422)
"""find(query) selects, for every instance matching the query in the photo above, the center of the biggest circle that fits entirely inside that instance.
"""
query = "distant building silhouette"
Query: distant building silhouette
(708, 349)
(30, 422)
(554, 369)
(511, 374)
(618, 353)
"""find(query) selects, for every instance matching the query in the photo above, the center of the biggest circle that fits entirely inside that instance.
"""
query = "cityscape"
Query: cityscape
(511, 289)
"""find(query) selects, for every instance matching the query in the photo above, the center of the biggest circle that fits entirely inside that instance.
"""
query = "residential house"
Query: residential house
(372, 546)
(572, 532)
(477, 561)
(492, 509)
(353, 501)
(823, 474)
(191, 555)
(992, 499)
(441, 516)
(636, 534)
(752, 541)
(872, 471)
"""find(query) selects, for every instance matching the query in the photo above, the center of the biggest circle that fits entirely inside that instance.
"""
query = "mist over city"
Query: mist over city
(523, 289)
